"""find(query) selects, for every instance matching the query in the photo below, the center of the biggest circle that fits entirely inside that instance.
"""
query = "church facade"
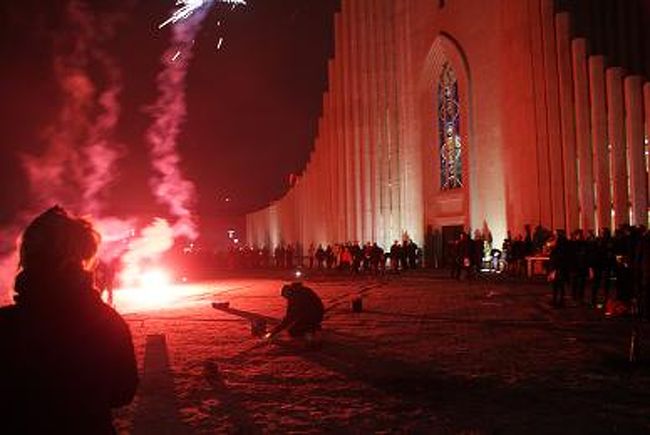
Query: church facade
(488, 115)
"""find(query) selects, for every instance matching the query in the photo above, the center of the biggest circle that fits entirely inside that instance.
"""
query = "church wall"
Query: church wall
(553, 125)
(462, 33)
(527, 197)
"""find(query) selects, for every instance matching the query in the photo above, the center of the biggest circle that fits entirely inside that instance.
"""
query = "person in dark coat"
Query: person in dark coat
(578, 265)
(463, 254)
(304, 312)
(66, 357)
(559, 265)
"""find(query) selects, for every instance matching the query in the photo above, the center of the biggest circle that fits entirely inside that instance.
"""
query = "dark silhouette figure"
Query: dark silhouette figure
(304, 311)
(462, 256)
(66, 357)
(578, 265)
(603, 264)
(559, 265)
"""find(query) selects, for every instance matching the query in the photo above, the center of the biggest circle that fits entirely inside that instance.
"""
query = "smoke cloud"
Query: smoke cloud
(78, 162)
(169, 111)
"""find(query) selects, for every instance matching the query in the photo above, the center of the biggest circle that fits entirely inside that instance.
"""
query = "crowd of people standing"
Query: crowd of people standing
(602, 269)
(349, 256)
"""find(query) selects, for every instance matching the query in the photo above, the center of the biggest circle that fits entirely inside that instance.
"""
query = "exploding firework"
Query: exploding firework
(188, 7)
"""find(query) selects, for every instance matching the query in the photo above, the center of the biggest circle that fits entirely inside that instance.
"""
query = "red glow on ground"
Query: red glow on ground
(154, 291)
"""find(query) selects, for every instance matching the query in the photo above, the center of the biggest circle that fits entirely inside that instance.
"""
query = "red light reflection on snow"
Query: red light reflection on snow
(155, 291)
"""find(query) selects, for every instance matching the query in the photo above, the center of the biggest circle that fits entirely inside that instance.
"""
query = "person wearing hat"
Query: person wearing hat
(304, 312)
(67, 357)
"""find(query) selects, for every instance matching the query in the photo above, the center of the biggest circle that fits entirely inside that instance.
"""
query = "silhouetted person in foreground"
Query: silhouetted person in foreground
(66, 358)
(304, 312)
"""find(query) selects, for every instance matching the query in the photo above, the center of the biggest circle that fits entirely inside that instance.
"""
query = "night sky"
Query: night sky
(252, 106)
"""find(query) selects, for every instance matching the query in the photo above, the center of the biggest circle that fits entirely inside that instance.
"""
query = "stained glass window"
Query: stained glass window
(451, 167)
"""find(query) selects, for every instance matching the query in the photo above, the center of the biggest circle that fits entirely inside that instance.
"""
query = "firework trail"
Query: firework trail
(169, 111)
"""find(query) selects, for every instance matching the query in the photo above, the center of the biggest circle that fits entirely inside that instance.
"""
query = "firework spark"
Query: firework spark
(188, 7)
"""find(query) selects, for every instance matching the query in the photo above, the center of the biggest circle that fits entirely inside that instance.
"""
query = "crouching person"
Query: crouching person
(67, 357)
(304, 312)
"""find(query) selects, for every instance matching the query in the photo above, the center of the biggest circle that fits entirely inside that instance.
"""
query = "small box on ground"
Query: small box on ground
(357, 305)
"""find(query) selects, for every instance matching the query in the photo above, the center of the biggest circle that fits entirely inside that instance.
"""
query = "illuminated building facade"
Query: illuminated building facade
(480, 114)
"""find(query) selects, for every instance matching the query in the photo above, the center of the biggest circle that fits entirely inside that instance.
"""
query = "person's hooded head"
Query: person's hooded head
(289, 290)
(57, 250)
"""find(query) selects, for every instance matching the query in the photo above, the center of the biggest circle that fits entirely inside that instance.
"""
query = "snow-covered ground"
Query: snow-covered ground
(426, 355)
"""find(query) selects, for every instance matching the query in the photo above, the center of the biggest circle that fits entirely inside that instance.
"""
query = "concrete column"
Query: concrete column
(599, 140)
(383, 148)
(355, 84)
(634, 126)
(392, 122)
(327, 137)
(334, 86)
(321, 192)
(327, 114)
(616, 139)
(553, 115)
(413, 214)
(365, 40)
(583, 133)
(539, 99)
(341, 125)
(322, 195)
(329, 186)
(347, 125)
(372, 120)
(567, 116)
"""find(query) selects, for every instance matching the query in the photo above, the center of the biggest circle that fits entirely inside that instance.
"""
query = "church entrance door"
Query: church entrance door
(450, 233)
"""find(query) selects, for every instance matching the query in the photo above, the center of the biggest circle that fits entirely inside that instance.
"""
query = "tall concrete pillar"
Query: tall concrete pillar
(327, 112)
(634, 126)
(392, 122)
(355, 120)
(383, 139)
(364, 119)
(372, 119)
(618, 152)
(567, 116)
(583, 133)
(348, 125)
(599, 140)
(334, 87)
(553, 115)
(412, 183)
(329, 184)
(327, 133)
(539, 98)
